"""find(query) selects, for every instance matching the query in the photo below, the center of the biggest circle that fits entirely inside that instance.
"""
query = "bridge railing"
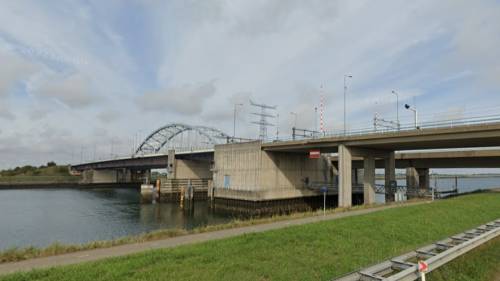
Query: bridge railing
(441, 124)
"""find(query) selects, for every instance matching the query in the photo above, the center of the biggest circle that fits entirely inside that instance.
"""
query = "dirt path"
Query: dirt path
(96, 254)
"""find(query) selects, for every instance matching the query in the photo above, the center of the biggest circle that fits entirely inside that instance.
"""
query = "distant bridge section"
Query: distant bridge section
(146, 162)
(163, 138)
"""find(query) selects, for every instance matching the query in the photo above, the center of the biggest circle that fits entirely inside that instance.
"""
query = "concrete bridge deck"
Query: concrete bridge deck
(482, 135)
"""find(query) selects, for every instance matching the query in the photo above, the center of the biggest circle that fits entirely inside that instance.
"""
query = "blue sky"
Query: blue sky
(84, 76)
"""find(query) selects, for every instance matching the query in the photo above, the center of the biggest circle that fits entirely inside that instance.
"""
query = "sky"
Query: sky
(83, 80)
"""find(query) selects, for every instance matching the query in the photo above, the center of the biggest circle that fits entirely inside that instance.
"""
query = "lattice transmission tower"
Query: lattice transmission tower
(263, 115)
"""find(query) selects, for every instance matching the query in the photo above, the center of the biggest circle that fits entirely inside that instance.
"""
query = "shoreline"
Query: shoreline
(66, 185)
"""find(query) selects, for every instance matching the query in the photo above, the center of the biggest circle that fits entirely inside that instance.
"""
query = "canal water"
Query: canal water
(40, 217)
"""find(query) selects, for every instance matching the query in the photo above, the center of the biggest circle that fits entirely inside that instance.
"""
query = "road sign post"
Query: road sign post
(422, 268)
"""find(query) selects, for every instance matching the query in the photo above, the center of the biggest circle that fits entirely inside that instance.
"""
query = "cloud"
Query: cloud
(108, 116)
(74, 91)
(38, 114)
(186, 100)
(5, 113)
(13, 69)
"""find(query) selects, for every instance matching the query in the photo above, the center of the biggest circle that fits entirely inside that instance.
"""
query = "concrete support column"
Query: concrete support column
(423, 178)
(345, 177)
(390, 175)
(412, 180)
(369, 180)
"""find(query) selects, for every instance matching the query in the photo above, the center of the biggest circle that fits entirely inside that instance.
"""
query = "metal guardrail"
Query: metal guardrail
(435, 255)
(442, 124)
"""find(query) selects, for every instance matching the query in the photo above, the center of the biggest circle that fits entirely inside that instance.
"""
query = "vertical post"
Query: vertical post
(277, 126)
(234, 122)
(158, 192)
(390, 175)
(315, 119)
(345, 90)
(345, 177)
(369, 180)
(171, 169)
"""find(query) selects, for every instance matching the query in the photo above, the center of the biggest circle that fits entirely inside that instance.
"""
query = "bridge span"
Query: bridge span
(260, 171)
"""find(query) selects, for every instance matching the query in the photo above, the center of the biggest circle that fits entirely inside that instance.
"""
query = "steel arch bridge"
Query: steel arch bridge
(181, 136)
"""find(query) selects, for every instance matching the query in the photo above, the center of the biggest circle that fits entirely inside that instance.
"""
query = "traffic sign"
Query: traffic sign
(422, 266)
(314, 154)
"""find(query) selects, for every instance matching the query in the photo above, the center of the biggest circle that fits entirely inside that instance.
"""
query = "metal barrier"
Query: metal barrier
(442, 124)
(435, 255)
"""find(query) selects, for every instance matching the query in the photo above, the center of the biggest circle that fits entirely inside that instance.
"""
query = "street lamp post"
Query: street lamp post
(415, 114)
(397, 108)
(295, 118)
(234, 119)
(345, 93)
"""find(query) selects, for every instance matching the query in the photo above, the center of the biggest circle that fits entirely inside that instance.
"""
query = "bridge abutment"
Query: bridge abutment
(245, 172)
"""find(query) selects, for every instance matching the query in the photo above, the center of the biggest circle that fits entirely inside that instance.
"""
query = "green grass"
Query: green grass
(316, 251)
(481, 264)
(30, 175)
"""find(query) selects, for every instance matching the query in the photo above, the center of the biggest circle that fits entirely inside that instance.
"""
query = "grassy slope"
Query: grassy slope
(481, 264)
(45, 174)
(317, 251)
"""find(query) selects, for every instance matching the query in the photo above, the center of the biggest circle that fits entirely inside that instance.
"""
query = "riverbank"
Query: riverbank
(313, 251)
(69, 184)
(20, 254)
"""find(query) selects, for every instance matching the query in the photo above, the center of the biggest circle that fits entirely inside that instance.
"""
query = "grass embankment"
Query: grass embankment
(32, 175)
(316, 251)
(481, 264)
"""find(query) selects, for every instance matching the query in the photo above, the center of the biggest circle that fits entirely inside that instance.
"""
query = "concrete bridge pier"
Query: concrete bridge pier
(418, 178)
(369, 180)
(390, 175)
(347, 175)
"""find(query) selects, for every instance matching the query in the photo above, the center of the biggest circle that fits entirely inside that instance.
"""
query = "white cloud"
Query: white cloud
(74, 91)
(187, 99)
(13, 69)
